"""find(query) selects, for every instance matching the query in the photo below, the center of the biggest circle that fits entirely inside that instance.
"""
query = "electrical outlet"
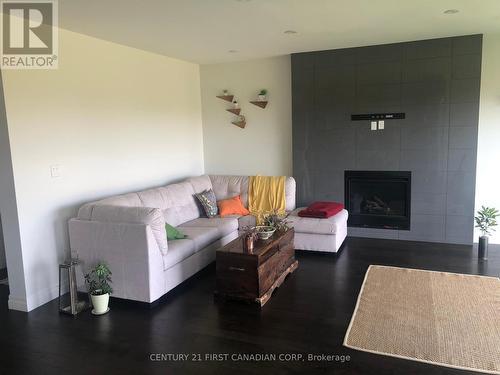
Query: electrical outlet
(374, 125)
(381, 125)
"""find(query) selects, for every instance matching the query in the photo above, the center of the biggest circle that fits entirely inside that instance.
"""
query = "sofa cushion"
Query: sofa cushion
(317, 226)
(202, 236)
(225, 225)
(178, 251)
(176, 201)
(290, 187)
(228, 186)
(246, 221)
(135, 215)
(127, 200)
(200, 183)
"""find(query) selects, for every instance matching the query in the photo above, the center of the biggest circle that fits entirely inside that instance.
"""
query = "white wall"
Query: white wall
(488, 155)
(10, 219)
(3, 261)
(265, 145)
(116, 119)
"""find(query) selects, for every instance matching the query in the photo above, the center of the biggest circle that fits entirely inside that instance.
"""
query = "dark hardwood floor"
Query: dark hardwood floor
(3, 273)
(308, 314)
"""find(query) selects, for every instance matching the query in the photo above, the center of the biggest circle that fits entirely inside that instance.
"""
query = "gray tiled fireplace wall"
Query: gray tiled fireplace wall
(436, 83)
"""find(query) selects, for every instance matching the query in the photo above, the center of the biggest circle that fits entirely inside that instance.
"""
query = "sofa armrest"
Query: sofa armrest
(134, 215)
(290, 191)
(129, 249)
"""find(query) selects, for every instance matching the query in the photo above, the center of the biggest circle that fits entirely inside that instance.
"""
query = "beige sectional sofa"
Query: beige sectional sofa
(128, 232)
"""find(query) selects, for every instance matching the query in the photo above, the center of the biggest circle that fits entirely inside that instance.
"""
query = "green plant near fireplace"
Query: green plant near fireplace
(486, 221)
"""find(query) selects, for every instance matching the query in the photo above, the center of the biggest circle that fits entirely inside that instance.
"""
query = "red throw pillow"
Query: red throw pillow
(232, 206)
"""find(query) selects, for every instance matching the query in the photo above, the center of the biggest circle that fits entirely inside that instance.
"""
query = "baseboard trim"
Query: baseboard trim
(34, 300)
(18, 304)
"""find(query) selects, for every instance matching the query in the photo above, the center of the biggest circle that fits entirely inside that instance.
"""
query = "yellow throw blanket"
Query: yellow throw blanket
(266, 195)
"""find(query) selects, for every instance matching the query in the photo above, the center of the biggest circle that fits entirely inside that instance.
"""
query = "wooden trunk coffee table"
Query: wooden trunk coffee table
(253, 276)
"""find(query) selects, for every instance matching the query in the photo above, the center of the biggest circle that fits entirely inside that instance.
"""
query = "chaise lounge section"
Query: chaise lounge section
(128, 233)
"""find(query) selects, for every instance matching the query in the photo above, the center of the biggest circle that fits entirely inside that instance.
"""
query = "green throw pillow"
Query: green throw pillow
(173, 233)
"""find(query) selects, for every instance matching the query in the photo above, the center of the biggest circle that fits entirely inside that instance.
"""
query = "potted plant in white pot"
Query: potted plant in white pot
(486, 221)
(262, 95)
(98, 280)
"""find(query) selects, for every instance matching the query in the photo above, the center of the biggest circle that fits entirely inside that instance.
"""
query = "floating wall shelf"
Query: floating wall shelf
(236, 111)
(227, 98)
(259, 103)
(240, 124)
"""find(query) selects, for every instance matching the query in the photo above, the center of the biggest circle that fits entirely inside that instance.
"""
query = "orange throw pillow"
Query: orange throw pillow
(232, 206)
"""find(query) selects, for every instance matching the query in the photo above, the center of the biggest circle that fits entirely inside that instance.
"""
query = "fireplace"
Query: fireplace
(378, 199)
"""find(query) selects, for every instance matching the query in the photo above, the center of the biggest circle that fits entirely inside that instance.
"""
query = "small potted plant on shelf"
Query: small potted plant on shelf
(486, 221)
(225, 93)
(98, 280)
(262, 95)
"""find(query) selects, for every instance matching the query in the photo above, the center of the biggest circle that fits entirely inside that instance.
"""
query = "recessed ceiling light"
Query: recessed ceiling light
(290, 32)
(451, 11)
(232, 51)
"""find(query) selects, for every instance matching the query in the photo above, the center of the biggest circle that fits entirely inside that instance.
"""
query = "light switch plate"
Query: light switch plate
(381, 125)
(374, 125)
(55, 171)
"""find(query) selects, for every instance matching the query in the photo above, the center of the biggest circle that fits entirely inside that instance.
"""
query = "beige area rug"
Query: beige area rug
(441, 318)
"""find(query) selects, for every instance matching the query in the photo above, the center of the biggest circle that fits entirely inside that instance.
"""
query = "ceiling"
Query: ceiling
(204, 31)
